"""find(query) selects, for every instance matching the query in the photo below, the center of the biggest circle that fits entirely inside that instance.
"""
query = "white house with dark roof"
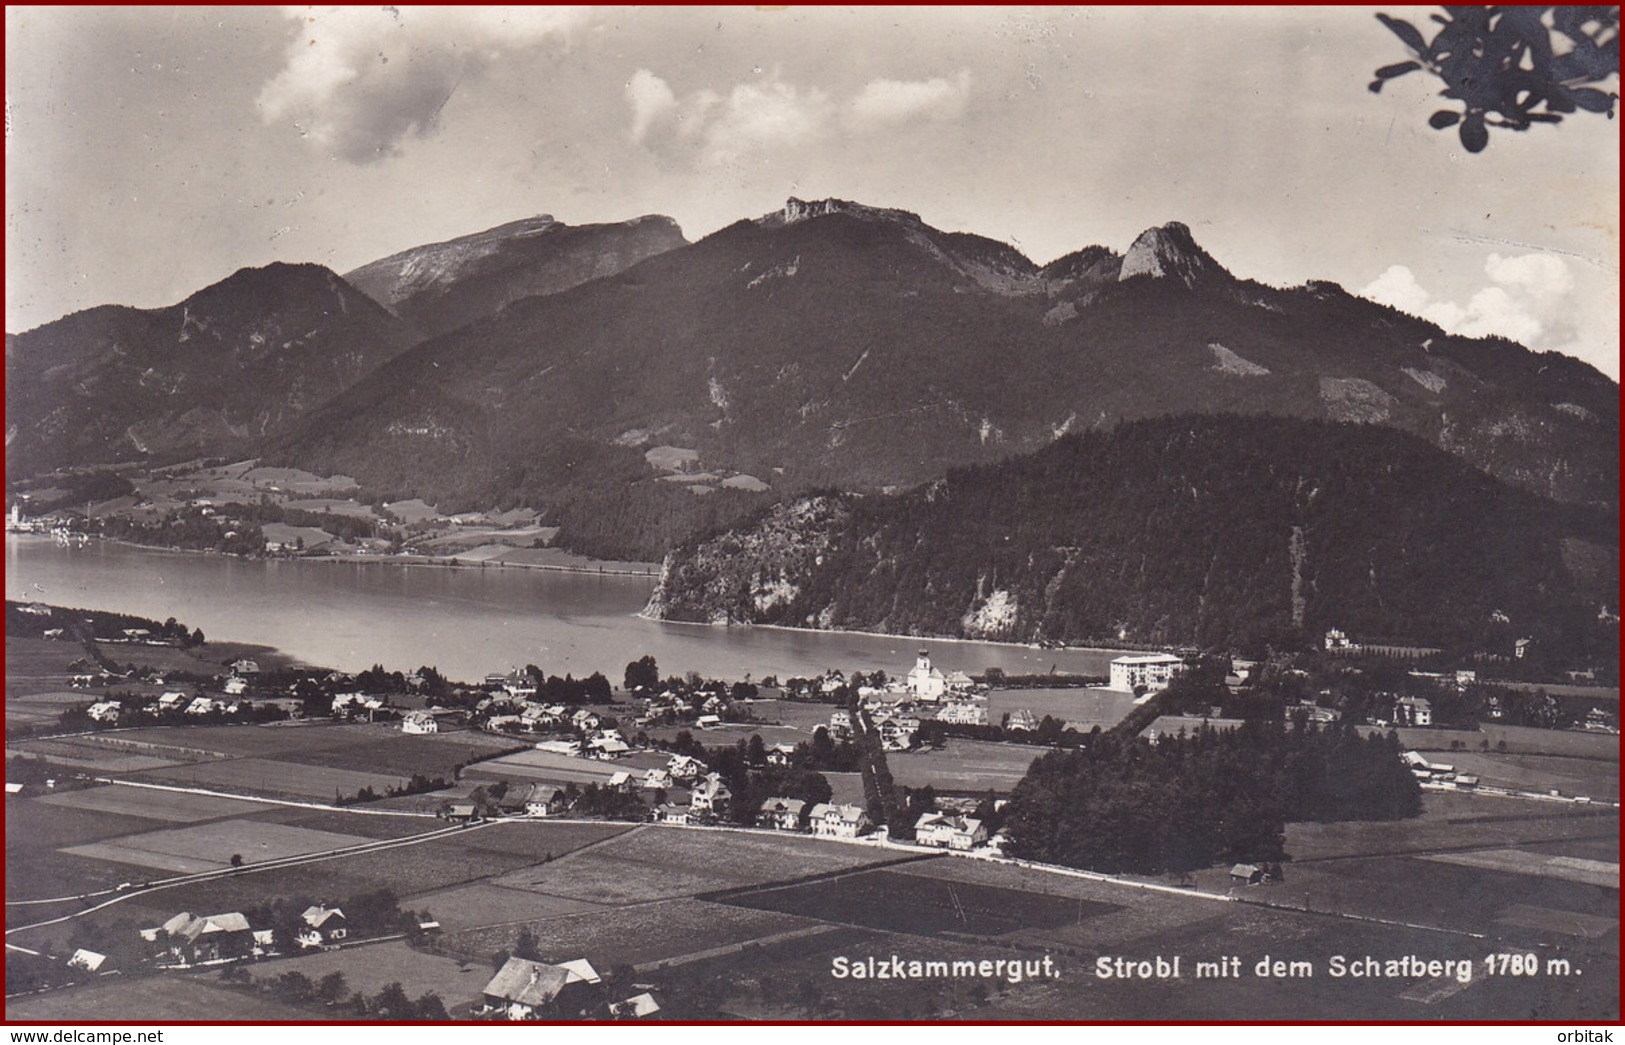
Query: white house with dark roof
(781, 814)
(323, 926)
(839, 821)
(949, 832)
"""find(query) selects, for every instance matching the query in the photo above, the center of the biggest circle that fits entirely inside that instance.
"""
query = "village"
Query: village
(864, 767)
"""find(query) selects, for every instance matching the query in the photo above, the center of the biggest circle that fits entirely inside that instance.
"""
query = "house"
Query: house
(779, 754)
(606, 748)
(638, 1007)
(524, 989)
(419, 722)
(710, 795)
(949, 832)
(671, 813)
(1152, 671)
(963, 713)
(585, 720)
(923, 681)
(201, 706)
(684, 767)
(1021, 720)
(323, 926)
(244, 666)
(1338, 642)
(781, 814)
(621, 780)
(959, 682)
(172, 701)
(89, 961)
(840, 724)
(1246, 874)
(461, 811)
(559, 747)
(838, 821)
(105, 711)
(708, 722)
(519, 685)
(1415, 711)
(235, 686)
(656, 779)
(543, 800)
(1520, 648)
(195, 939)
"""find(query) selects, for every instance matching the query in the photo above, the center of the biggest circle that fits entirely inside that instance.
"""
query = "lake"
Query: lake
(465, 621)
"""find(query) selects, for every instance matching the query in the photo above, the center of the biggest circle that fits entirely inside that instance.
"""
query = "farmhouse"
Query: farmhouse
(172, 701)
(837, 821)
(620, 780)
(543, 800)
(419, 722)
(202, 706)
(235, 686)
(526, 989)
(193, 939)
(1152, 671)
(656, 778)
(607, 748)
(585, 720)
(638, 1007)
(89, 961)
(779, 754)
(323, 926)
(949, 832)
(105, 711)
(708, 722)
(781, 814)
(671, 813)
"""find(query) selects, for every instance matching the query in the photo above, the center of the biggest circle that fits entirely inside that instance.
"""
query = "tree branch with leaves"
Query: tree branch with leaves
(1512, 67)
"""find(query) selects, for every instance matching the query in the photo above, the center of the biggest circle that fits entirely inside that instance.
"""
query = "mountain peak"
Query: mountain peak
(1168, 251)
(796, 210)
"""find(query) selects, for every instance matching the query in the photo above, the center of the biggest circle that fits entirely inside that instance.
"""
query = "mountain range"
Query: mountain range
(638, 388)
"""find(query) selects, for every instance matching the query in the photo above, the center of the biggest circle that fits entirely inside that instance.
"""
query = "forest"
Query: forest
(1128, 805)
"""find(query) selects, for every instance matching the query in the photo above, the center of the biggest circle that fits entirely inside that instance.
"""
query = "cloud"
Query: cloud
(715, 130)
(883, 103)
(759, 117)
(652, 101)
(361, 79)
(1528, 300)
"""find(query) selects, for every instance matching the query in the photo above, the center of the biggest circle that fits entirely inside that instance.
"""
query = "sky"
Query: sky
(153, 151)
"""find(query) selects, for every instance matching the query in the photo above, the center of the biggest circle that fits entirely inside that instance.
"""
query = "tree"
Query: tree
(332, 988)
(236, 859)
(642, 672)
(431, 1007)
(525, 945)
(392, 1001)
(1512, 67)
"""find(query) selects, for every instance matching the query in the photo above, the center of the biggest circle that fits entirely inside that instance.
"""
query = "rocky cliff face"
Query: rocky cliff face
(1169, 252)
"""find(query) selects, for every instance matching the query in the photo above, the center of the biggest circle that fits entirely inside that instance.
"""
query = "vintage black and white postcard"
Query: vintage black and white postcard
(812, 514)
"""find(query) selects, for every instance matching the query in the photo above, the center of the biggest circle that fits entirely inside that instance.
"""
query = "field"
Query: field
(1085, 707)
(893, 900)
(531, 765)
(173, 806)
(206, 847)
(480, 904)
(179, 997)
(965, 765)
(651, 863)
(1525, 740)
(1595, 778)
(458, 983)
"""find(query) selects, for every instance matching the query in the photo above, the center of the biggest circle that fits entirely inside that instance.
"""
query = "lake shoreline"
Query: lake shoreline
(643, 614)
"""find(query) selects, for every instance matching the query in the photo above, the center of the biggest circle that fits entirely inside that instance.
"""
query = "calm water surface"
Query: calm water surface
(465, 621)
